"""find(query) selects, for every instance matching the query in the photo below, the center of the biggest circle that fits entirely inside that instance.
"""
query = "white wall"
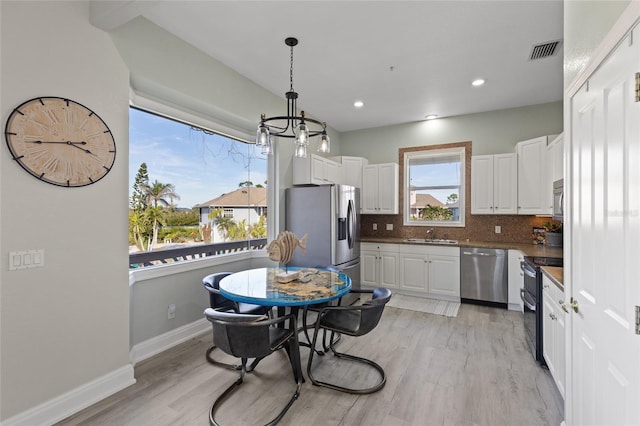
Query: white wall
(585, 25)
(67, 323)
(492, 132)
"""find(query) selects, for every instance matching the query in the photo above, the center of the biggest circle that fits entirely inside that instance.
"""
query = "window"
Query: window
(434, 186)
(212, 188)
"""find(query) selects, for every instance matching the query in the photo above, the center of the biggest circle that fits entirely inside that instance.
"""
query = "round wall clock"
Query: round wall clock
(60, 141)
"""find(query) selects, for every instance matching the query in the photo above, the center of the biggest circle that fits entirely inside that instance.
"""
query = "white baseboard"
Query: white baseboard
(165, 341)
(75, 400)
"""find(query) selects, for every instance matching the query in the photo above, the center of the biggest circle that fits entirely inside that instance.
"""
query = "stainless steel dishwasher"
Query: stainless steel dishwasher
(483, 276)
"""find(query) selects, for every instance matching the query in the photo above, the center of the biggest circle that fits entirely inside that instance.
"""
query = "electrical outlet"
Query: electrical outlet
(389, 226)
(498, 229)
(375, 226)
(171, 312)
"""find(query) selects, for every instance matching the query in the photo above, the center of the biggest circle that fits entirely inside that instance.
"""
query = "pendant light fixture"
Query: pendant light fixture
(292, 126)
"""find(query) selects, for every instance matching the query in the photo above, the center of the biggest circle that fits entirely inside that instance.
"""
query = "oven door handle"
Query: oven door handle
(523, 296)
(528, 272)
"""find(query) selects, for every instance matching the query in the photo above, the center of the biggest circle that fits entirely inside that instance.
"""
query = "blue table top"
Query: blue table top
(260, 286)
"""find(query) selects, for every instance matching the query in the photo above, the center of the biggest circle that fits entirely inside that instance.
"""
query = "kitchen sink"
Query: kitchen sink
(429, 241)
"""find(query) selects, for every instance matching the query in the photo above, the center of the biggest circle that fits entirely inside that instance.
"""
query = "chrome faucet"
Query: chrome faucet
(430, 234)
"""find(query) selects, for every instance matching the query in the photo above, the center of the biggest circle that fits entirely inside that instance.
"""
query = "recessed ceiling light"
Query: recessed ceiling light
(478, 82)
(431, 116)
(358, 104)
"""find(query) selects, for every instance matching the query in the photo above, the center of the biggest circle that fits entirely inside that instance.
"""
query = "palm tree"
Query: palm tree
(157, 216)
(214, 217)
(158, 193)
(139, 228)
(225, 224)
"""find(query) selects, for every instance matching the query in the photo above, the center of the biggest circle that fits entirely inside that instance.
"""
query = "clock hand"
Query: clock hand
(75, 145)
(60, 142)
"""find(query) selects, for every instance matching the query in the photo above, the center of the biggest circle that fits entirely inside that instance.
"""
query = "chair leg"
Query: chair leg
(378, 368)
(216, 404)
(218, 363)
(305, 328)
(234, 386)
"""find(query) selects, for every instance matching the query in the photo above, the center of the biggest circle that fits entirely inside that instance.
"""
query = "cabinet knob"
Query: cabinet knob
(553, 317)
(545, 285)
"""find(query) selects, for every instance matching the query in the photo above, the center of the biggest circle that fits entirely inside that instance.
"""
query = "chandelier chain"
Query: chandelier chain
(291, 70)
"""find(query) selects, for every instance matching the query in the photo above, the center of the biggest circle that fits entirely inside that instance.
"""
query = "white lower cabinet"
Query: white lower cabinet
(516, 280)
(432, 270)
(553, 331)
(379, 265)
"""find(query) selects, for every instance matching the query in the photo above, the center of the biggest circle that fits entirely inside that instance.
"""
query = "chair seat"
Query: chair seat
(347, 322)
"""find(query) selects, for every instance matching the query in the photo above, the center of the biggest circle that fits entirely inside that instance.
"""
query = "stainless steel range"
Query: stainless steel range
(531, 295)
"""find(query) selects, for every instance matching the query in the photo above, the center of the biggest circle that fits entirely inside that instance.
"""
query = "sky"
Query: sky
(200, 166)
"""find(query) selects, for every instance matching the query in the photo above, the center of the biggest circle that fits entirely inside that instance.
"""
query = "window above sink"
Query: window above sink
(434, 186)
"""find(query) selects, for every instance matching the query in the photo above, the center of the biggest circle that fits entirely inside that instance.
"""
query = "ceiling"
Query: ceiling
(403, 59)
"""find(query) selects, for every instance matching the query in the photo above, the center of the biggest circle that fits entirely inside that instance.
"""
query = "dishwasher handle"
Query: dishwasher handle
(469, 253)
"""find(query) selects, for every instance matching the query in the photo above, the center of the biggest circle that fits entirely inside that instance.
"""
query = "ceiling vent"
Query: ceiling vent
(544, 50)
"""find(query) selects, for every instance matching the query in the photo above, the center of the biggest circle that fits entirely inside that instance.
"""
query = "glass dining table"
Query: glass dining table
(262, 286)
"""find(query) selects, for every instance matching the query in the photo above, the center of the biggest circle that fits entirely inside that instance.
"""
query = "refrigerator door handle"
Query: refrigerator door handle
(351, 224)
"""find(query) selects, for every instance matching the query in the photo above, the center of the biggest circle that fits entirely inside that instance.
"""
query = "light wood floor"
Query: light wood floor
(471, 370)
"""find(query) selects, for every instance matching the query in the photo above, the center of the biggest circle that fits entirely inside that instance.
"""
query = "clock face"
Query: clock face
(60, 141)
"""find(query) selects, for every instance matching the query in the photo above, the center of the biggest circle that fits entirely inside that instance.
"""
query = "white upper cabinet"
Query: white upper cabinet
(380, 189)
(555, 166)
(316, 170)
(351, 169)
(532, 179)
(494, 184)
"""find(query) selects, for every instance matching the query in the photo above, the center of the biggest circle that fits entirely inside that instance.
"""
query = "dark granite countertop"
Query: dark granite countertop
(527, 249)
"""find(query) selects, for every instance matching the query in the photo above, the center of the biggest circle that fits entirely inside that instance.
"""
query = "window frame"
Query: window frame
(461, 149)
(171, 111)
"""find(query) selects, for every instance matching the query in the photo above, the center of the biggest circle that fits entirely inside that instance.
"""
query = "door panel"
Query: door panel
(604, 250)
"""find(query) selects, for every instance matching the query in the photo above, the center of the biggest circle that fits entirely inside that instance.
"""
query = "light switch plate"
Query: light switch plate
(498, 229)
(375, 226)
(389, 226)
(26, 259)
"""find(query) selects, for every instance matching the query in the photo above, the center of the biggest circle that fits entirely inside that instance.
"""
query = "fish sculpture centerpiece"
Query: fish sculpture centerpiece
(281, 250)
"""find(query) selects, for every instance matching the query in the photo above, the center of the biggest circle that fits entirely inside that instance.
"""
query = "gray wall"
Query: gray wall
(491, 132)
(67, 323)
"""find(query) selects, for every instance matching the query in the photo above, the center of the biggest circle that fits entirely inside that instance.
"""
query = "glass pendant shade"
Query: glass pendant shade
(267, 148)
(262, 136)
(303, 134)
(301, 150)
(324, 145)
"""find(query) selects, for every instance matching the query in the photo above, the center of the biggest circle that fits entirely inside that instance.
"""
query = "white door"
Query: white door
(605, 244)
(388, 188)
(369, 193)
(444, 275)
(482, 184)
(413, 272)
(505, 183)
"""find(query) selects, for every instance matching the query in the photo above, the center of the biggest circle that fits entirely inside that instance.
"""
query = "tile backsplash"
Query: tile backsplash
(477, 228)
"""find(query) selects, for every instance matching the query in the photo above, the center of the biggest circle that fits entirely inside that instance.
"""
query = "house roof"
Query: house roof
(241, 197)
(425, 199)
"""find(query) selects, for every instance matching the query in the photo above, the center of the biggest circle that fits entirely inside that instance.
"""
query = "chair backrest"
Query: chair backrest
(212, 284)
(240, 335)
(372, 310)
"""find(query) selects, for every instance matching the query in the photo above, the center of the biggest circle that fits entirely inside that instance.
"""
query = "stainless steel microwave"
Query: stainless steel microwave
(558, 200)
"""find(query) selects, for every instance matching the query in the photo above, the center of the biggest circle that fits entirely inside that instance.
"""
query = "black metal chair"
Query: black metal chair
(252, 336)
(217, 301)
(356, 320)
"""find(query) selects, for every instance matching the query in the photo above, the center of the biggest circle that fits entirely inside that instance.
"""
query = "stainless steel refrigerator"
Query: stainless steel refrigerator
(330, 215)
